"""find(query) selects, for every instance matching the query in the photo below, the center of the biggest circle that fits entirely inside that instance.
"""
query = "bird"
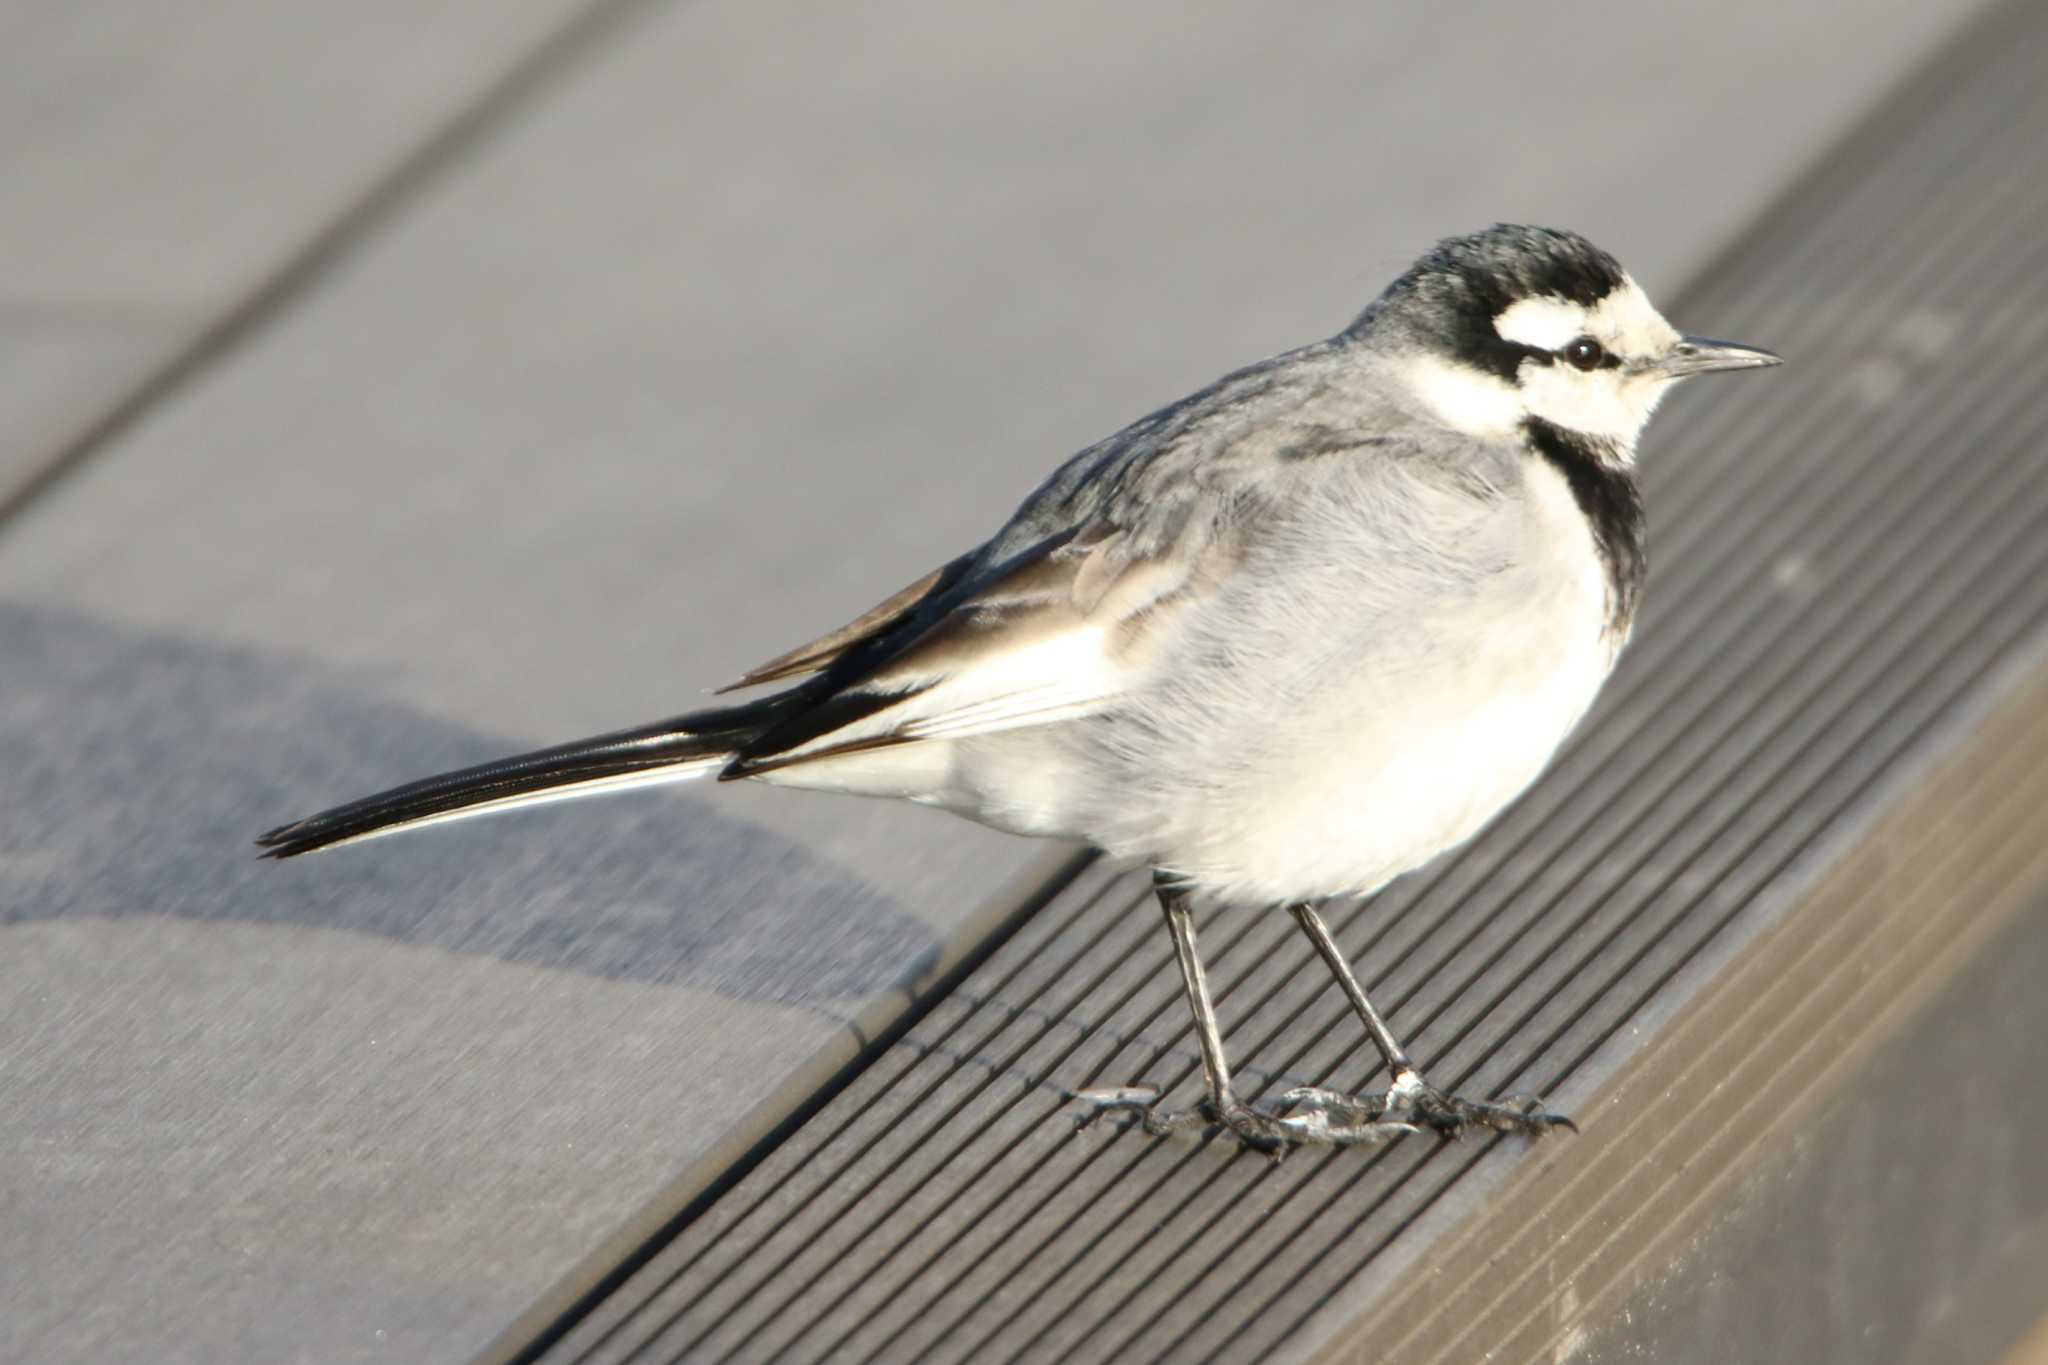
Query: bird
(1279, 642)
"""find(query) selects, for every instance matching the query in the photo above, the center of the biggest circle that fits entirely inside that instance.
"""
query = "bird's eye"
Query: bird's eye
(1585, 353)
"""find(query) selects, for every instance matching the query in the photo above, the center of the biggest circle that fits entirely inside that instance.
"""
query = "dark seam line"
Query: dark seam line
(275, 293)
(849, 1204)
(884, 1039)
(763, 1198)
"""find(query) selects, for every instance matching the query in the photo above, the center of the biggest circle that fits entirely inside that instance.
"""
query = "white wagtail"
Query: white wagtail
(1281, 641)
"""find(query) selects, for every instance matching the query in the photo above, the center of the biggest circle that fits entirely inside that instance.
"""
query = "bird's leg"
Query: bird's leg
(1261, 1132)
(1409, 1101)
(1254, 1130)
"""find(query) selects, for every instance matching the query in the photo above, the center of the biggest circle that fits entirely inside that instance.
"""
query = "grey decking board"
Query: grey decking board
(61, 368)
(253, 1101)
(169, 156)
(1961, 526)
(163, 167)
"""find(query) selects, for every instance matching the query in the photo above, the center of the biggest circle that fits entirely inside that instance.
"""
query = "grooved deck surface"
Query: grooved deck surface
(1845, 550)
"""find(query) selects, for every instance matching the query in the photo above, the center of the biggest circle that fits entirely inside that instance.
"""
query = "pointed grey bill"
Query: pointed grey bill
(1703, 355)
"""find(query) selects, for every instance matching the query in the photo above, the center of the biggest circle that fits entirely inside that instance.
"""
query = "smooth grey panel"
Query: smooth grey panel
(60, 368)
(140, 763)
(269, 1151)
(169, 155)
(268, 1105)
(160, 163)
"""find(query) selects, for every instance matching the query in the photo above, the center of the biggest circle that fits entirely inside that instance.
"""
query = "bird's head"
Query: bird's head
(1515, 323)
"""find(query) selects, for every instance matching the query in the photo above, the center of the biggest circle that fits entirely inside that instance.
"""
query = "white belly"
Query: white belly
(1412, 771)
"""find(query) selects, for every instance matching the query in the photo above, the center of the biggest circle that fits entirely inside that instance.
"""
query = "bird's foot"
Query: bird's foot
(1273, 1134)
(1415, 1105)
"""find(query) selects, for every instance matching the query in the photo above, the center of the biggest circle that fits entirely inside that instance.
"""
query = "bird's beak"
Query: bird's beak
(1698, 355)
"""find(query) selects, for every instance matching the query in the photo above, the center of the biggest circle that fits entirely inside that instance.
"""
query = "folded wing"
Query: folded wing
(1060, 631)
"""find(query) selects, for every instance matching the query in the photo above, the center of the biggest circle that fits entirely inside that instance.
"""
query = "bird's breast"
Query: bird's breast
(1371, 746)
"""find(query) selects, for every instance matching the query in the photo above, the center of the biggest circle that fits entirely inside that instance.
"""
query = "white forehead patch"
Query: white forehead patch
(1541, 321)
(1624, 322)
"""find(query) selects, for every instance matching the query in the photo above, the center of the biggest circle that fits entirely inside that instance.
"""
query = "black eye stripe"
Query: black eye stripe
(1484, 347)
(1477, 343)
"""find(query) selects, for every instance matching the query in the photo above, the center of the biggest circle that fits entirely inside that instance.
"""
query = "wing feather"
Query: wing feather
(875, 621)
(1052, 636)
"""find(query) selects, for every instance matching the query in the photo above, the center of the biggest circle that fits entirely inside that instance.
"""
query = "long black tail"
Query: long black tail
(666, 751)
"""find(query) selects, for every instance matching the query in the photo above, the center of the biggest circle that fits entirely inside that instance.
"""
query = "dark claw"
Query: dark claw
(1259, 1132)
(1532, 1105)
(1520, 1116)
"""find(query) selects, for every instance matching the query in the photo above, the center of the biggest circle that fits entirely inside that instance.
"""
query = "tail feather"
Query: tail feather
(667, 751)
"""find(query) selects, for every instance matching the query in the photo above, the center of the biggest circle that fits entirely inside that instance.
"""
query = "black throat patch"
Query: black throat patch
(1606, 490)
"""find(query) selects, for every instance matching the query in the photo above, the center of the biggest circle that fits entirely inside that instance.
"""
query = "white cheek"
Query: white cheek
(1603, 403)
(1465, 399)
